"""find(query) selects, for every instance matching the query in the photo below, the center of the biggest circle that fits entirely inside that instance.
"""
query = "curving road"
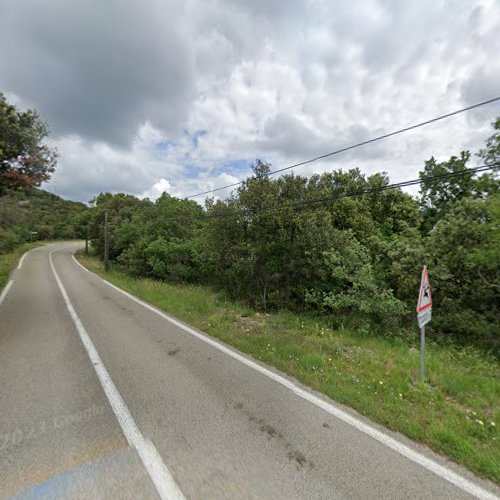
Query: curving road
(102, 396)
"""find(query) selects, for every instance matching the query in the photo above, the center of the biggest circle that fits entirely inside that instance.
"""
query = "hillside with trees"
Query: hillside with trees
(31, 214)
(28, 213)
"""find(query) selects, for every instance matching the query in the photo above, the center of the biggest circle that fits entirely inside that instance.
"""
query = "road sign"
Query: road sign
(424, 317)
(424, 296)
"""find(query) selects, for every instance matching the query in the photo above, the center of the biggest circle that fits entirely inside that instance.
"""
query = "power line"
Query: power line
(323, 199)
(359, 144)
(311, 201)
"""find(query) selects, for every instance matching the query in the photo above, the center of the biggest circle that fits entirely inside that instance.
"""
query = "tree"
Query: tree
(491, 154)
(464, 256)
(81, 223)
(25, 161)
(439, 195)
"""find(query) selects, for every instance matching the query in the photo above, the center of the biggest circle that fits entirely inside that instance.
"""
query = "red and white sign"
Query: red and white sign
(424, 296)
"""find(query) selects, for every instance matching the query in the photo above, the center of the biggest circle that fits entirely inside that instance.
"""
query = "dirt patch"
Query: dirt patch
(298, 457)
(270, 431)
(251, 325)
(173, 352)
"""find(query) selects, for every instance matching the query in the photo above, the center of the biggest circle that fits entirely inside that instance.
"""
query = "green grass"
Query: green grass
(8, 261)
(455, 413)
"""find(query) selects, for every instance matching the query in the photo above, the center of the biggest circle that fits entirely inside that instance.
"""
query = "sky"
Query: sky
(182, 96)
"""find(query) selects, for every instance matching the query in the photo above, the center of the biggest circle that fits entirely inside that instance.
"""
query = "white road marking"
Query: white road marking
(431, 465)
(83, 267)
(5, 291)
(22, 260)
(157, 470)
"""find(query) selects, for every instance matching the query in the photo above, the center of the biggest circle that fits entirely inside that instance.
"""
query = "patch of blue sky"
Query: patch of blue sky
(190, 170)
(232, 167)
(195, 136)
(162, 147)
(236, 168)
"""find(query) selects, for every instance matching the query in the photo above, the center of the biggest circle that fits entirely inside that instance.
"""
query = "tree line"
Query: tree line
(351, 256)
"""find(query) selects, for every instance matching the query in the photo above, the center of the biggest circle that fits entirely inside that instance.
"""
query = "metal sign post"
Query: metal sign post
(422, 353)
(424, 315)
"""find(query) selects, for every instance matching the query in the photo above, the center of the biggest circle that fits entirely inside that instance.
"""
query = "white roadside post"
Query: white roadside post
(424, 315)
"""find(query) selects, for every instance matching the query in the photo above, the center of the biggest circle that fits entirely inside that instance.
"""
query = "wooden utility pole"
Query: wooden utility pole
(106, 241)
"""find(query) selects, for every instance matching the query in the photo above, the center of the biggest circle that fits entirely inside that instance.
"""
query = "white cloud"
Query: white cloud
(284, 81)
(160, 187)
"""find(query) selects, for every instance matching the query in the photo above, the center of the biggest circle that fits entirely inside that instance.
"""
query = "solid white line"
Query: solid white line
(22, 260)
(83, 267)
(157, 470)
(5, 291)
(390, 442)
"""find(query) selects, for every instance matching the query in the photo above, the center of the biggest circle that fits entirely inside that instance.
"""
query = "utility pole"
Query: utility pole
(106, 241)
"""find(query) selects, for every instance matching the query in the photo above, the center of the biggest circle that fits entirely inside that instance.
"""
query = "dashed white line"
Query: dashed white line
(441, 471)
(157, 470)
(5, 291)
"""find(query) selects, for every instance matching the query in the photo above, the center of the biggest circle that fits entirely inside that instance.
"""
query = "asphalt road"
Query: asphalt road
(102, 397)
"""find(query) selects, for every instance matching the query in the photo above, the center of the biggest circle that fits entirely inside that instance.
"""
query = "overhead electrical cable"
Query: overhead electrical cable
(359, 144)
(353, 194)
(335, 197)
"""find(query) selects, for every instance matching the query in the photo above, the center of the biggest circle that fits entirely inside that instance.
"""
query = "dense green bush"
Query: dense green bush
(11, 238)
(357, 253)
(464, 255)
(351, 284)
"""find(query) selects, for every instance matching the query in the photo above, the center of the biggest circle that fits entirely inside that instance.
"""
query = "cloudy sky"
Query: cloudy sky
(153, 95)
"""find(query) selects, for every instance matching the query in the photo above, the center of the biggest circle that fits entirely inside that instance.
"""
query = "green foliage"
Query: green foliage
(33, 214)
(142, 233)
(328, 256)
(12, 238)
(81, 223)
(358, 255)
(464, 251)
(173, 260)
(491, 153)
(352, 285)
(438, 196)
(25, 161)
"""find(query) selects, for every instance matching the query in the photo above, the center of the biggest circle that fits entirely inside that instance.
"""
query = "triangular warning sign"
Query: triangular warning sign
(424, 296)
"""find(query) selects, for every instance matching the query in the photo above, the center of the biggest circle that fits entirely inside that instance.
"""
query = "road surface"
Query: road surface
(103, 397)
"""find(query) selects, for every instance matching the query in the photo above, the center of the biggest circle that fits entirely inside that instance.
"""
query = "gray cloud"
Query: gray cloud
(127, 86)
(98, 69)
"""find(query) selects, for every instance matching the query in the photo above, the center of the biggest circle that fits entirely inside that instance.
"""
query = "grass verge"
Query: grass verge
(8, 261)
(455, 414)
